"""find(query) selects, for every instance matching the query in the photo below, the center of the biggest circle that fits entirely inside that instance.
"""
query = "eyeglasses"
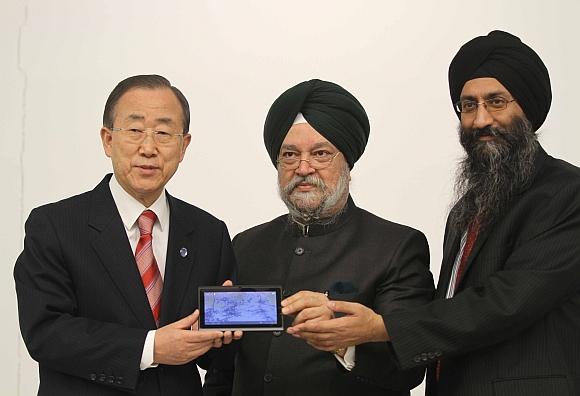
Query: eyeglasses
(318, 160)
(137, 136)
(496, 103)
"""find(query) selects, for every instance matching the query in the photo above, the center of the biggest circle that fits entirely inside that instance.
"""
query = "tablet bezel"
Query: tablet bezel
(278, 326)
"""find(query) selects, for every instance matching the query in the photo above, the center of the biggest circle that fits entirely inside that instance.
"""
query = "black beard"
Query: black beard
(492, 172)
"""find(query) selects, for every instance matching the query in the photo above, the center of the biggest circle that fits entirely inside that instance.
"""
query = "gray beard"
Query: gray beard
(492, 172)
(300, 206)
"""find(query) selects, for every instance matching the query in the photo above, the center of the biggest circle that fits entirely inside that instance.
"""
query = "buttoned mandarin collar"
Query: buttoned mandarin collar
(130, 209)
(322, 229)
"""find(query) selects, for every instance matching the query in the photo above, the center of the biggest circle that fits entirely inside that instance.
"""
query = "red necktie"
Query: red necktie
(148, 269)
(469, 243)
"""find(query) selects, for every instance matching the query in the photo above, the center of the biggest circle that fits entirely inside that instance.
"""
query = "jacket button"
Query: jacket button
(111, 379)
(267, 377)
(102, 378)
(431, 355)
(93, 377)
(299, 251)
(438, 353)
(120, 380)
(277, 333)
(417, 359)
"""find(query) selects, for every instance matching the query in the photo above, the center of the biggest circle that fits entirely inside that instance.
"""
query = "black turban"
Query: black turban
(515, 65)
(328, 108)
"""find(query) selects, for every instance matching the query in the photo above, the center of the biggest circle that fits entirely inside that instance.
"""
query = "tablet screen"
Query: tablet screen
(240, 307)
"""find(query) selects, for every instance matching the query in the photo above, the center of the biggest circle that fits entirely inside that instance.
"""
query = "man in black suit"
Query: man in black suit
(326, 247)
(107, 280)
(506, 320)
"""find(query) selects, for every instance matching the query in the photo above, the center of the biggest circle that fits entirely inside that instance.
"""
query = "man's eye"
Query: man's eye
(496, 102)
(135, 130)
(289, 154)
(468, 105)
(321, 154)
(163, 133)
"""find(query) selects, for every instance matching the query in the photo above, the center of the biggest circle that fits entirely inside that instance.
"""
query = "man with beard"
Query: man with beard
(506, 320)
(325, 248)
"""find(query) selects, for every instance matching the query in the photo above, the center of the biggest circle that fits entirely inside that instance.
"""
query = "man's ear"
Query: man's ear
(107, 141)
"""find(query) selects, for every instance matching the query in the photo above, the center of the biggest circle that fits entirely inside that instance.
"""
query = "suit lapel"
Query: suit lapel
(114, 251)
(181, 252)
(451, 246)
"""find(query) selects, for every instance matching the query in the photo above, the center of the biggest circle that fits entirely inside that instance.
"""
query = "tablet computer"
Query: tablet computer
(248, 308)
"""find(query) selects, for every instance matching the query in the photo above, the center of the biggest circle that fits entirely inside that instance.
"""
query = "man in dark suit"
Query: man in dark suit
(107, 280)
(507, 317)
(325, 247)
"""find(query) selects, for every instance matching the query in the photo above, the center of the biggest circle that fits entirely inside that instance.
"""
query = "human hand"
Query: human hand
(310, 306)
(360, 324)
(180, 342)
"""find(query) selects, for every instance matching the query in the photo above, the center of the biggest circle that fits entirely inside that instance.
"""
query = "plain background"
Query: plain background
(61, 58)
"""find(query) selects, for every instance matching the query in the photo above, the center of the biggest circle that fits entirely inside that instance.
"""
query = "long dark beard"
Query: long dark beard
(492, 172)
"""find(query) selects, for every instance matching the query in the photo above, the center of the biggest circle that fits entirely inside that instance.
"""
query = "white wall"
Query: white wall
(61, 58)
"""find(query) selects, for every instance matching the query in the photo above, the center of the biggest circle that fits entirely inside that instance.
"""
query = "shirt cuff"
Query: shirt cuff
(148, 347)
(348, 361)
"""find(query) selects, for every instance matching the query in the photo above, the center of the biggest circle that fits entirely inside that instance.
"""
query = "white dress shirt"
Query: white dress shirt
(130, 209)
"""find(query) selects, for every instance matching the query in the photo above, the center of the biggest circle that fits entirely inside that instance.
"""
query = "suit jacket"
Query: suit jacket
(513, 326)
(360, 258)
(83, 311)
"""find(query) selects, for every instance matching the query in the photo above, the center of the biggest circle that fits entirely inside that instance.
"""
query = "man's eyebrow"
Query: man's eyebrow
(164, 120)
(315, 146)
(136, 117)
(489, 95)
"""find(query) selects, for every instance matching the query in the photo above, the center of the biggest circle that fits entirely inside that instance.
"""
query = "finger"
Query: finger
(314, 313)
(228, 335)
(203, 336)
(344, 307)
(238, 334)
(228, 283)
(322, 326)
(294, 297)
(217, 343)
(187, 322)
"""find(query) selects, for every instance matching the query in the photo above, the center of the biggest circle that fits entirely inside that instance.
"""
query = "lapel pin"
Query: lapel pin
(183, 252)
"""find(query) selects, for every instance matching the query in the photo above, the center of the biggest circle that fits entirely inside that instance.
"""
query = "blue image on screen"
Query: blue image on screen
(238, 308)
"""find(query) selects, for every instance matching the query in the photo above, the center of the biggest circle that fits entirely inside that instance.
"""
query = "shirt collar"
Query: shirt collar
(130, 209)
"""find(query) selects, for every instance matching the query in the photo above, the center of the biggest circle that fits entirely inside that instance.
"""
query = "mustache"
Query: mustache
(470, 136)
(310, 179)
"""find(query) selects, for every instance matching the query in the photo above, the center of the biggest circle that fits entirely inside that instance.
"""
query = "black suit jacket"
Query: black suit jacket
(513, 327)
(83, 310)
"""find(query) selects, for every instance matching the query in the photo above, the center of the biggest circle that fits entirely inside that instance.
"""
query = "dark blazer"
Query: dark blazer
(513, 327)
(83, 310)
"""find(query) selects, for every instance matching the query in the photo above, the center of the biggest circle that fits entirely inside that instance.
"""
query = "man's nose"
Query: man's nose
(482, 117)
(304, 168)
(148, 145)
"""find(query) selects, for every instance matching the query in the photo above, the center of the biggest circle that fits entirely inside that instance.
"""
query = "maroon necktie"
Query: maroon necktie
(469, 242)
(148, 269)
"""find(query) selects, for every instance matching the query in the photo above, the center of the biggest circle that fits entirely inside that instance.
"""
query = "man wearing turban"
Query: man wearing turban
(506, 318)
(325, 248)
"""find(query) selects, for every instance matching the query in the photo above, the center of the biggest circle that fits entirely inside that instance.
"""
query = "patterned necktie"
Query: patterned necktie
(148, 269)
